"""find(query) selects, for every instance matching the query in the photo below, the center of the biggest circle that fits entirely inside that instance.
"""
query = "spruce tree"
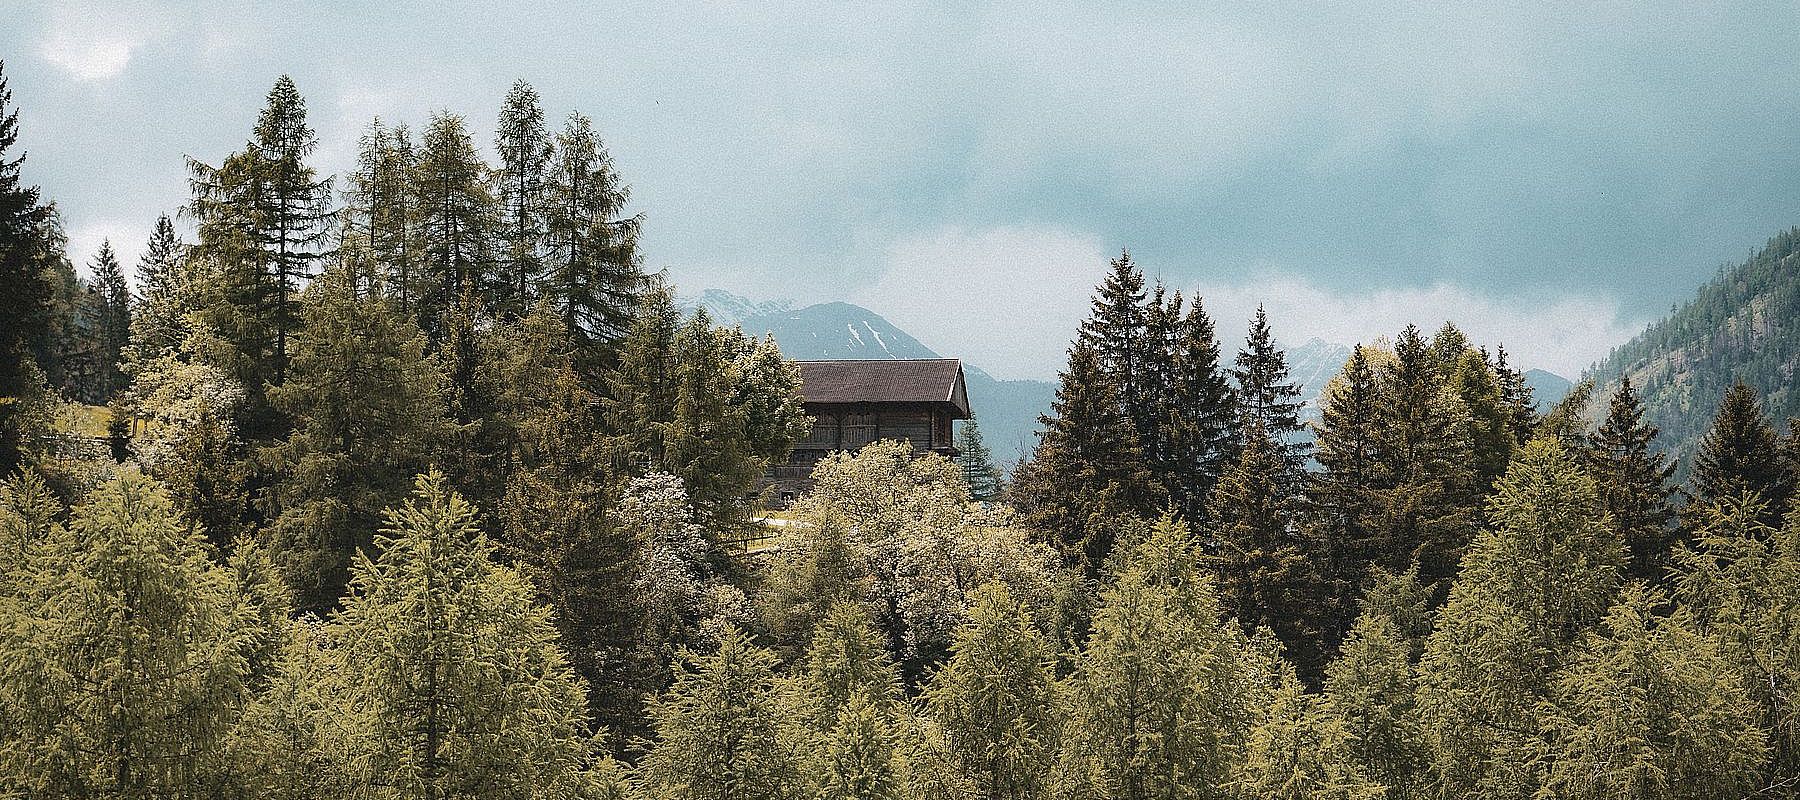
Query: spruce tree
(24, 223)
(1567, 420)
(1088, 466)
(368, 410)
(976, 461)
(381, 213)
(126, 660)
(111, 298)
(846, 660)
(722, 730)
(1740, 457)
(451, 669)
(523, 144)
(1472, 379)
(160, 326)
(1198, 426)
(1265, 398)
(1116, 331)
(1264, 572)
(594, 273)
(1427, 498)
(1343, 498)
(1634, 483)
(1516, 397)
(995, 699)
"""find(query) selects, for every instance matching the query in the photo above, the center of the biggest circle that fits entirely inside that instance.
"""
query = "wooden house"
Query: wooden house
(857, 402)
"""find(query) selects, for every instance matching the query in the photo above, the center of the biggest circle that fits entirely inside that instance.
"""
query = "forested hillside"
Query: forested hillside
(410, 483)
(1743, 325)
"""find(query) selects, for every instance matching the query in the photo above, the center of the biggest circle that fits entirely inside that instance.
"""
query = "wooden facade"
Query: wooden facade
(854, 403)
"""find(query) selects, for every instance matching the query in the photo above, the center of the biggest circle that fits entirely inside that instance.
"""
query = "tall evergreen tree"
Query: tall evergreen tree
(160, 326)
(451, 671)
(1198, 426)
(1740, 457)
(976, 461)
(1303, 751)
(111, 299)
(1372, 688)
(995, 699)
(1088, 466)
(520, 183)
(1516, 397)
(722, 730)
(1634, 483)
(381, 214)
(594, 272)
(1427, 495)
(24, 222)
(455, 221)
(368, 410)
(126, 662)
(1342, 504)
(1265, 398)
(1116, 331)
(1470, 377)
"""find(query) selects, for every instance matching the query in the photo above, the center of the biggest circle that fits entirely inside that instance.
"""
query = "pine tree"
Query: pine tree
(1198, 426)
(1740, 458)
(1650, 710)
(126, 664)
(24, 223)
(1634, 483)
(455, 220)
(976, 461)
(523, 144)
(722, 732)
(1372, 688)
(112, 320)
(1266, 400)
(1088, 466)
(160, 325)
(368, 411)
(450, 668)
(995, 698)
(594, 272)
(1343, 498)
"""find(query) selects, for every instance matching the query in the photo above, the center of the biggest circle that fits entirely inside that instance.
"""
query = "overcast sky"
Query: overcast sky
(1550, 176)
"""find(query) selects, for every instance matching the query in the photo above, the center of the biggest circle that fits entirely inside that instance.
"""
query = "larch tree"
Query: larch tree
(368, 409)
(24, 221)
(1633, 477)
(451, 668)
(1741, 458)
(127, 664)
(1303, 751)
(381, 214)
(1371, 687)
(520, 184)
(995, 699)
(723, 731)
(594, 275)
(1650, 709)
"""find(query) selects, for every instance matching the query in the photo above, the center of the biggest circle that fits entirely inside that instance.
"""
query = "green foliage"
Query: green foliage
(519, 187)
(455, 221)
(995, 699)
(722, 730)
(976, 461)
(595, 277)
(1650, 709)
(109, 301)
(1303, 751)
(1371, 688)
(123, 659)
(1633, 479)
(367, 405)
(1740, 458)
(1266, 401)
(25, 251)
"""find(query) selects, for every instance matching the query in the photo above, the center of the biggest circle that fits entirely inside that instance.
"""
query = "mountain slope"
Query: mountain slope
(1744, 324)
(1547, 388)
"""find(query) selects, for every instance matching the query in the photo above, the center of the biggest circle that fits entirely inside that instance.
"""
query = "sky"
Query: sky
(1551, 176)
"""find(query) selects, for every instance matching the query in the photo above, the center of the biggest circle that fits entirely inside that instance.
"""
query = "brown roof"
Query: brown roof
(921, 380)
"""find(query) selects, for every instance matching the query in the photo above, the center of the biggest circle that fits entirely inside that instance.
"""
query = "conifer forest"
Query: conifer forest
(414, 481)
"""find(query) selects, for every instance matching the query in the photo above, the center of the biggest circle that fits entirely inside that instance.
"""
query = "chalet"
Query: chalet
(854, 403)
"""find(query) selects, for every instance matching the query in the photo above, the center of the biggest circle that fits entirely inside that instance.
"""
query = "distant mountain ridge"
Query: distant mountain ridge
(1744, 324)
(1007, 409)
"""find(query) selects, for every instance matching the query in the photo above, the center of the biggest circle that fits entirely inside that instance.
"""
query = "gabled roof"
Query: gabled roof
(890, 380)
